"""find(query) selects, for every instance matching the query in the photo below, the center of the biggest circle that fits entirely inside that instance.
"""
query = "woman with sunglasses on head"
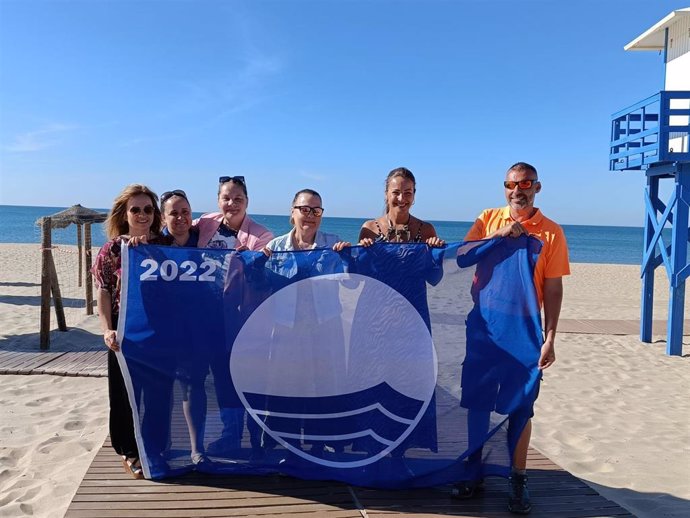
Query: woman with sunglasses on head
(177, 219)
(231, 228)
(192, 369)
(134, 213)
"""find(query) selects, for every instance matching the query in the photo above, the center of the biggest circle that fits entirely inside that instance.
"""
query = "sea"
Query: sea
(587, 243)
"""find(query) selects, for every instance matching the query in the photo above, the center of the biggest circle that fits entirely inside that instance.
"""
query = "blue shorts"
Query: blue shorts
(487, 388)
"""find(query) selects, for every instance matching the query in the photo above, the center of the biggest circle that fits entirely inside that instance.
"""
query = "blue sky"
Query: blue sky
(323, 94)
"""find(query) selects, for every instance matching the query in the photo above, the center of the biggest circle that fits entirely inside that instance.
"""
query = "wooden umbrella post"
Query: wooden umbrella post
(88, 284)
(79, 254)
(57, 296)
(46, 243)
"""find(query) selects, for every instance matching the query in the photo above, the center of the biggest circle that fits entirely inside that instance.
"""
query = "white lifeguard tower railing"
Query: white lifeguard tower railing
(652, 136)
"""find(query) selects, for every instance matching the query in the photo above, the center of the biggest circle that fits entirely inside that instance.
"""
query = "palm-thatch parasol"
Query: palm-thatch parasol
(75, 214)
(79, 216)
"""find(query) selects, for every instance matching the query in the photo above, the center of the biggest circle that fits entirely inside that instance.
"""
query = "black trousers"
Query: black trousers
(153, 393)
(121, 423)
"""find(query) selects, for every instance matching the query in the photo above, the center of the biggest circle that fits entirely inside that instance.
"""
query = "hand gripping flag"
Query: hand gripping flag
(391, 366)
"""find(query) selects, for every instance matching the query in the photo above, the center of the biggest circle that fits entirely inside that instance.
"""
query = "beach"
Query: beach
(613, 411)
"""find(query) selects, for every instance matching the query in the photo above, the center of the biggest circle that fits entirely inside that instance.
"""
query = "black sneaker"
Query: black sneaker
(519, 502)
(466, 489)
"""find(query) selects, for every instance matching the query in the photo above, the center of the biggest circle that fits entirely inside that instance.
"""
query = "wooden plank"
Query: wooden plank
(576, 326)
(95, 362)
(73, 363)
(90, 361)
(20, 357)
(38, 359)
(616, 327)
(134, 511)
(212, 494)
(238, 501)
(7, 355)
(84, 362)
(63, 364)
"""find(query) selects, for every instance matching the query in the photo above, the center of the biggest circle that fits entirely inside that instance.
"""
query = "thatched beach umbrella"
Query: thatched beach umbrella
(78, 216)
(75, 214)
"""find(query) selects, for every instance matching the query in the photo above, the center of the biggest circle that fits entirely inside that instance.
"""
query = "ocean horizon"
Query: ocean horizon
(586, 243)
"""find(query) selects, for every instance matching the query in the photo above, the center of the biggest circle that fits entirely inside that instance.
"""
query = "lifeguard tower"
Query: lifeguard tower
(652, 136)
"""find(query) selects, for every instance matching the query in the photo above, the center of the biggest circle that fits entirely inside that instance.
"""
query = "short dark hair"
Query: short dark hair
(524, 167)
(306, 191)
(294, 199)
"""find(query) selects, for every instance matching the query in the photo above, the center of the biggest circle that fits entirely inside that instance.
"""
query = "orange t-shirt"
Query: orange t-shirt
(553, 259)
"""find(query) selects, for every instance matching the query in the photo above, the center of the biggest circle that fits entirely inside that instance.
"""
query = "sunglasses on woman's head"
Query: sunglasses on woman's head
(169, 194)
(148, 210)
(225, 179)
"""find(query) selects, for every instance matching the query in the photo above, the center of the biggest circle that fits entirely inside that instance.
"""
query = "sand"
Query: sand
(52, 427)
(616, 413)
(613, 411)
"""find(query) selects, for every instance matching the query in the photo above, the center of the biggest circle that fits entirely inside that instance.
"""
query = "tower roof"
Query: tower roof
(653, 38)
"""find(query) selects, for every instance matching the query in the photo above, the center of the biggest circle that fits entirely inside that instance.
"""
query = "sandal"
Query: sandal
(466, 489)
(133, 467)
(200, 460)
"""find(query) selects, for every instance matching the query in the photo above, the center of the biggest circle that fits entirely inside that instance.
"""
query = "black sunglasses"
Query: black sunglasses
(523, 185)
(169, 194)
(225, 179)
(148, 210)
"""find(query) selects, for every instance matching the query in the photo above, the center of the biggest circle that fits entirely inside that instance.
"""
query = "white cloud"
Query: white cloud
(45, 137)
(312, 176)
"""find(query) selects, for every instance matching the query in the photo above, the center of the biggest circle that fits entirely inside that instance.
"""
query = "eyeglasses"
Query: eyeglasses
(169, 194)
(306, 210)
(523, 185)
(148, 210)
(225, 179)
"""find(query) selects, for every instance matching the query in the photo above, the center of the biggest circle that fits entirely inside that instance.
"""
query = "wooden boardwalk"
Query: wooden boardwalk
(613, 327)
(91, 360)
(106, 491)
(66, 363)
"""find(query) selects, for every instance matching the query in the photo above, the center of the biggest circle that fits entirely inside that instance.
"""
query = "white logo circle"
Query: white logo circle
(336, 357)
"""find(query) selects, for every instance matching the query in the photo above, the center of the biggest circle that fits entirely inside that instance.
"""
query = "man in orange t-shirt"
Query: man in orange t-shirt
(519, 217)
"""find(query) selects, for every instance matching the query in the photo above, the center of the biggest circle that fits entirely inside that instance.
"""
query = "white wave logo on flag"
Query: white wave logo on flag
(335, 359)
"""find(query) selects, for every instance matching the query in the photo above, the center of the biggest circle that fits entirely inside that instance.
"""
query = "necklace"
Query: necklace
(399, 234)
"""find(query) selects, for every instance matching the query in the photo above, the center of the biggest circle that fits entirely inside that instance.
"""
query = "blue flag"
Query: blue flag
(391, 366)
